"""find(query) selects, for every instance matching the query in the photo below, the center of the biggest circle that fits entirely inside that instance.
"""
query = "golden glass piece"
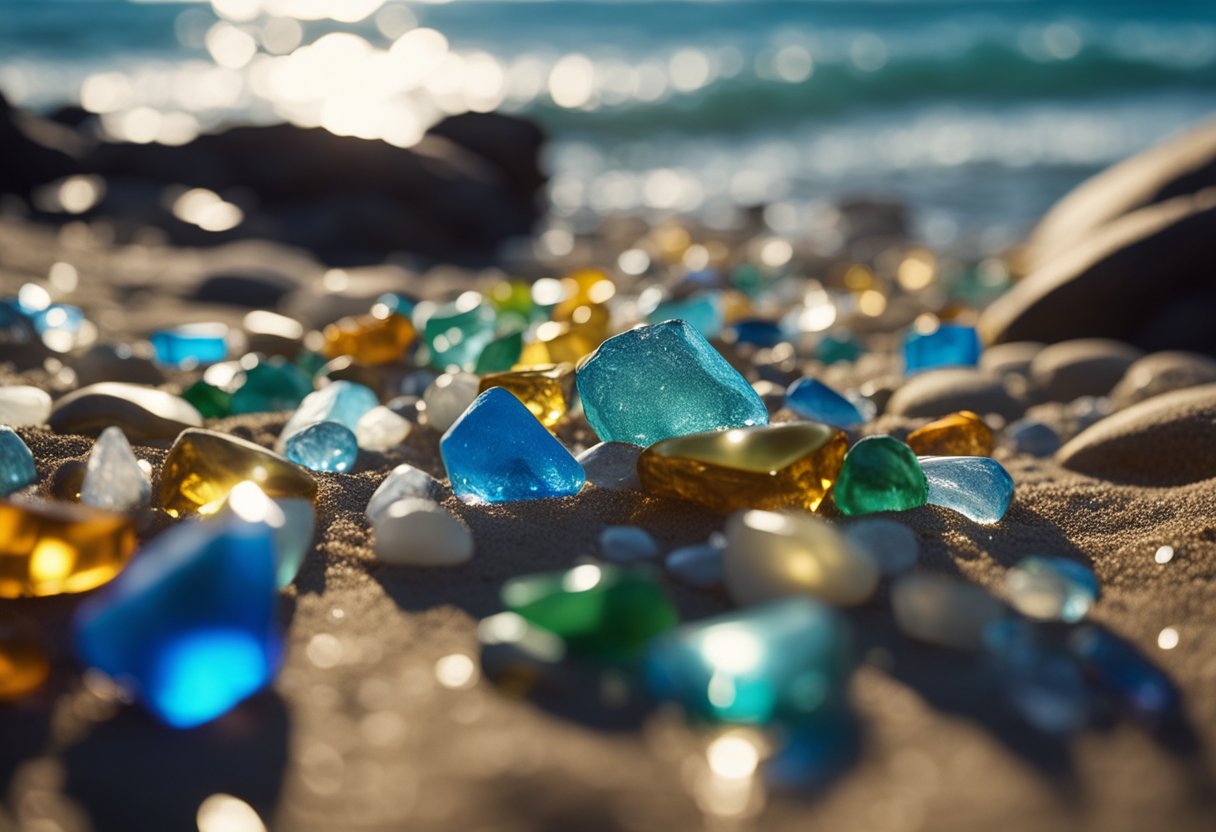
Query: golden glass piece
(557, 343)
(54, 548)
(592, 320)
(547, 391)
(767, 467)
(203, 466)
(959, 434)
(369, 339)
(24, 664)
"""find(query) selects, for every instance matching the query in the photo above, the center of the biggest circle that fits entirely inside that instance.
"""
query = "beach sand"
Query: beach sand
(359, 732)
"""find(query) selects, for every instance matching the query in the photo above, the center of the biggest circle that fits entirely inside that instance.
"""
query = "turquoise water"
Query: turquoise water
(978, 112)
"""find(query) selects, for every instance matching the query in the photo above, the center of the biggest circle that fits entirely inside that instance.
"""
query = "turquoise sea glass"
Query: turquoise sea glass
(323, 446)
(16, 463)
(950, 345)
(660, 381)
(497, 452)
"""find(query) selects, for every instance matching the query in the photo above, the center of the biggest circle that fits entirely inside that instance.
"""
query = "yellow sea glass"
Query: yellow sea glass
(547, 391)
(557, 343)
(24, 664)
(369, 339)
(959, 434)
(55, 548)
(203, 466)
(767, 467)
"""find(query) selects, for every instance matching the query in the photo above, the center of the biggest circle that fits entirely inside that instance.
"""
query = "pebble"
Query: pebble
(814, 400)
(448, 396)
(698, 565)
(950, 345)
(56, 548)
(935, 393)
(1010, 359)
(1162, 372)
(291, 521)
(660, 381)
(1163, 441)
(143, 413)
(380, 429)
(341, 402)
(627, 544)
(323, 446)
(771, 555)
(770, 466)
(943, 611)
(118, 362)
(880, 473)
(1030, 436)
(114, 479)
(22, 405)
(498, 452)
(779, 662)
(417, 532)
(892, 546)
(404, 481)
(612, 465)
(596, 610)
(1082, 367)
(1051, 589)
(192, 625)
(17, 468)
(977, 487)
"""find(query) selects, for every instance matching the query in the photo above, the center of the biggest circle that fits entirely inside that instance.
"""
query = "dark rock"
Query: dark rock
(1162, 372)
(1163, 441)
(141, 412)
(117, 362)
(1084, 367)
(939, 392)
(1015, 357)
(257, 291)
(34, 151)
(1145, 278)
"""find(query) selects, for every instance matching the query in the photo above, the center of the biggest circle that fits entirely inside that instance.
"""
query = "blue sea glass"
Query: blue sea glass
(779, 661)
(814, 400)
(950, 345)
(343, 402)
(815, 750)
(16, 463)
(704, 312)
(660, 381)
(1030, 436)
(191, 344)
(323, 446)
(977, 487)
(758, 332)
(57, 316)
(497, 451)
(1125, 674)
(1040, 679)
(191, 624)
(1052, 588)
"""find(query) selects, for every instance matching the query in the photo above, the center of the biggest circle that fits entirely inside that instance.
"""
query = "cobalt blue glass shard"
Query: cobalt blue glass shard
(704, 312)
(660, 381)
(497, 452)
(814, 400)
(343, 402)
(1052, 589)
(16, 462)
(977, 487)
(781, 661)
(759, 332)
(191, 624)
(191, 344)
(950, 345)
(1123, 672)
(323, 446)
(1041, 681)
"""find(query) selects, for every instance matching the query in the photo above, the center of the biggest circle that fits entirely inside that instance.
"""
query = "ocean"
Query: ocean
(976, 113)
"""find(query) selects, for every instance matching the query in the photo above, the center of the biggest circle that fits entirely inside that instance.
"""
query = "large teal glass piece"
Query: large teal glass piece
(269, 385)
(704, 312)
(323, 446)
(656, 382)
(16, 463)
(777, 662)
(497, 452)
(812, 399)
(977, 487)
(950, 345)
(343, 402)
(191, 624)
(457, 332)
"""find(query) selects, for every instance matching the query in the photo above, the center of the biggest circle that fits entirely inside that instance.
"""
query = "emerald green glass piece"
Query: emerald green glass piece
(311, 363)
(880, 473)
(501, 354)
(270, 385)
(597, 610)
(209, 400)
(457, 332)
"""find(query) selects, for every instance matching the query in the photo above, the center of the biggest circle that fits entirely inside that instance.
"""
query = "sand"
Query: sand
(358, 731)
